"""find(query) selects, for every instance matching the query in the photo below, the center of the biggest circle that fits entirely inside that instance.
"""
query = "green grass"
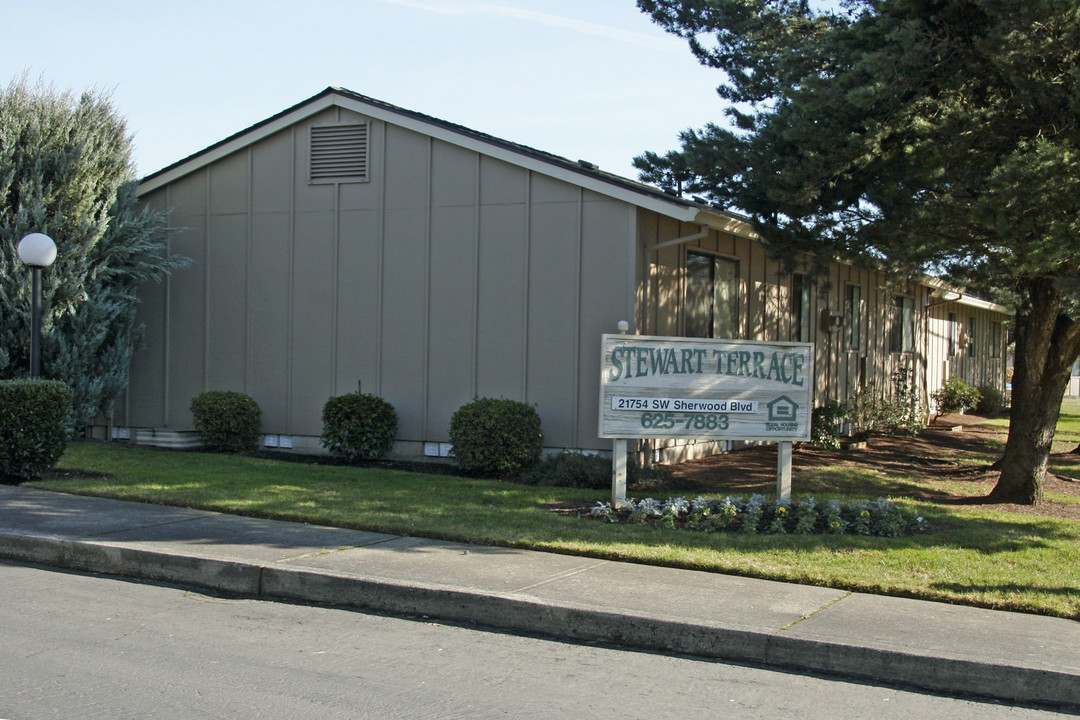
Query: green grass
(972, 554)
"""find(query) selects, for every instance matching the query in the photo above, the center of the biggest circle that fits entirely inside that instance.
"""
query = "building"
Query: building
(346, 244)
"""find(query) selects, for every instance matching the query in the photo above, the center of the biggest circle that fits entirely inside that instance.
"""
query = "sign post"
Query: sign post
(618, 472)
(703, 389)
(783, 470)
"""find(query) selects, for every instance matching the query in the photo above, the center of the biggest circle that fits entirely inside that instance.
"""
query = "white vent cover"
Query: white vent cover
(339, 153)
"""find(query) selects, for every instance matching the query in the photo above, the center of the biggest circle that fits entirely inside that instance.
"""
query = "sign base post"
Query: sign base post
(783, 470)
(618, 472)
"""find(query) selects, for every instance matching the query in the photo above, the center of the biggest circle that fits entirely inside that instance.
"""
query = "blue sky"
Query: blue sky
(585, 79)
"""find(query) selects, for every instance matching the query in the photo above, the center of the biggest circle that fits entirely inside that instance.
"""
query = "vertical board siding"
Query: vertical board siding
(187, 302)
(448, 275)
(605, 270)
(554, 288)
(840, 373)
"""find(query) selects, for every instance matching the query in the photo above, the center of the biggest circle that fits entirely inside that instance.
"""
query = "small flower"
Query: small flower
(865, 513)
(781, 510)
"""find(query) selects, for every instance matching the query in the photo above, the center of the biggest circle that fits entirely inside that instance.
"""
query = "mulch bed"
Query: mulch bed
(930, 454)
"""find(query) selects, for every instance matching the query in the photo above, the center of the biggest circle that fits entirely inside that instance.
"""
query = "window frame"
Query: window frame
(954, 335)
(731, 268)
(902, 324)
(801, 302)
(853, 317)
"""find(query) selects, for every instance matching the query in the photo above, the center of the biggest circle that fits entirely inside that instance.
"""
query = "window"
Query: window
(954, 335)
(902, 325)
(971, 336)
(339, 153)
(800, 307)
(853, 317)
(995, 339)
(712, 296)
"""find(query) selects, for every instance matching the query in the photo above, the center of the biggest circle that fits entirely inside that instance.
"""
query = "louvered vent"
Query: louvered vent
(339, 153)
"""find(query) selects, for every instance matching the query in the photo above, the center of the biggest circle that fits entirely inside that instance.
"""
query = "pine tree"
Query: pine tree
(939, 137)
(66, 170)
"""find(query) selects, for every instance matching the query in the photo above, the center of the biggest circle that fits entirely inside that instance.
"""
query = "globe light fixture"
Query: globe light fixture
(37, 251)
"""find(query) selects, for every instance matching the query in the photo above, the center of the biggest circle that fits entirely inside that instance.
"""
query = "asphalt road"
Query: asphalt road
(93, 647)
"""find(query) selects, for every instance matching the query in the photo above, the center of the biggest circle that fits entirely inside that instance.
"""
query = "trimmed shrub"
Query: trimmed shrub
(990, 400)
(577, 470)
(35, 421)
(358, 426)
(571, 469)
(955, 396)
(228, 421)
(500, 437)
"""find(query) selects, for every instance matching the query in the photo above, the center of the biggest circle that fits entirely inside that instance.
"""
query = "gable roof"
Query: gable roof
(578, 173)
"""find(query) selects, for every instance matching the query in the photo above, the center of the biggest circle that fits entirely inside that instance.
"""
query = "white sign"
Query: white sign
(665, 387)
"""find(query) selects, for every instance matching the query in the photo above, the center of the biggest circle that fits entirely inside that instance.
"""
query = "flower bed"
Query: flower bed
(756, 515)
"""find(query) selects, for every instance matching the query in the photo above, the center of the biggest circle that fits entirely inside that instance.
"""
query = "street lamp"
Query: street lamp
(38, 251)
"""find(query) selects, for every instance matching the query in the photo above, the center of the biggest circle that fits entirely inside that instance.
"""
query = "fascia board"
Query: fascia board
(669, 209)
(963, 298)
(253, 136)
(975, 302)
(448, 135)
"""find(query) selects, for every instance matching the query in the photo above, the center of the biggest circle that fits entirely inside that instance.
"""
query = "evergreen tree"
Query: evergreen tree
(940, 137)
(66, 170)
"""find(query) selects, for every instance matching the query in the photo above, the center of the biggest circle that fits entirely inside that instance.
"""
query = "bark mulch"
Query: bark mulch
(930, 455)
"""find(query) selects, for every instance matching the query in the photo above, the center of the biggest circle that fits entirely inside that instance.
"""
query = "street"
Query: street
(94, 647)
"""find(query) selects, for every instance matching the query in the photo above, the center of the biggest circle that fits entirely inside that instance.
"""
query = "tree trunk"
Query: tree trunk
(1047, 343)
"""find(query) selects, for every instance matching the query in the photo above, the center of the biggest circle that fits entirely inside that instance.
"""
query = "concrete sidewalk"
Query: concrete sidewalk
(947, 648)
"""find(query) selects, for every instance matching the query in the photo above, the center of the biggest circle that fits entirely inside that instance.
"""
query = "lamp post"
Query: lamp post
(38, 251)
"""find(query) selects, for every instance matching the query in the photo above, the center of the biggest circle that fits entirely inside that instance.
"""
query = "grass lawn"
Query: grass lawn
(993, 556)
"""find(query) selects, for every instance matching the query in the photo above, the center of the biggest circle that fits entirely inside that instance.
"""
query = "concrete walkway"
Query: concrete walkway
(947, 648)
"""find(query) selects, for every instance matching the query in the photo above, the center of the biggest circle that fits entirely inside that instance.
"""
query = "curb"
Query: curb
(523, 613)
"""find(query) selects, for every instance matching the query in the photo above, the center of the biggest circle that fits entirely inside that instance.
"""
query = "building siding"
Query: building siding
(765, 314)
(453, 273)
(448, 275)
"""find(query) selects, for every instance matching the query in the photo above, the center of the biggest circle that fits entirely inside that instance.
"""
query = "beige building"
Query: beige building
(348, 244)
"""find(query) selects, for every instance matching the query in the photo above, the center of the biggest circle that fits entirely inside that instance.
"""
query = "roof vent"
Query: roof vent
(339, 153)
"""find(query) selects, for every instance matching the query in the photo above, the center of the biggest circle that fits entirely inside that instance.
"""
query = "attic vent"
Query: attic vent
(339, 153)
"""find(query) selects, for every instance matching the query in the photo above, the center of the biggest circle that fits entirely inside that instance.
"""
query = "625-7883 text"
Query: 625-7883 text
(687, 421)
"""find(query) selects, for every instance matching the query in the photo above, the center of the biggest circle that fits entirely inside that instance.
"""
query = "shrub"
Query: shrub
(825, 425)
(571, 469)
(955, 396)
(35, 421)
(900, 412)
(358, 426)
(990, 400)
(496, 437)
(646, 477)
(228, 421)
(574, 469)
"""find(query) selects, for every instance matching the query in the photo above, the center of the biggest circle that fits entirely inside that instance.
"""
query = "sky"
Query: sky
(593, 80)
